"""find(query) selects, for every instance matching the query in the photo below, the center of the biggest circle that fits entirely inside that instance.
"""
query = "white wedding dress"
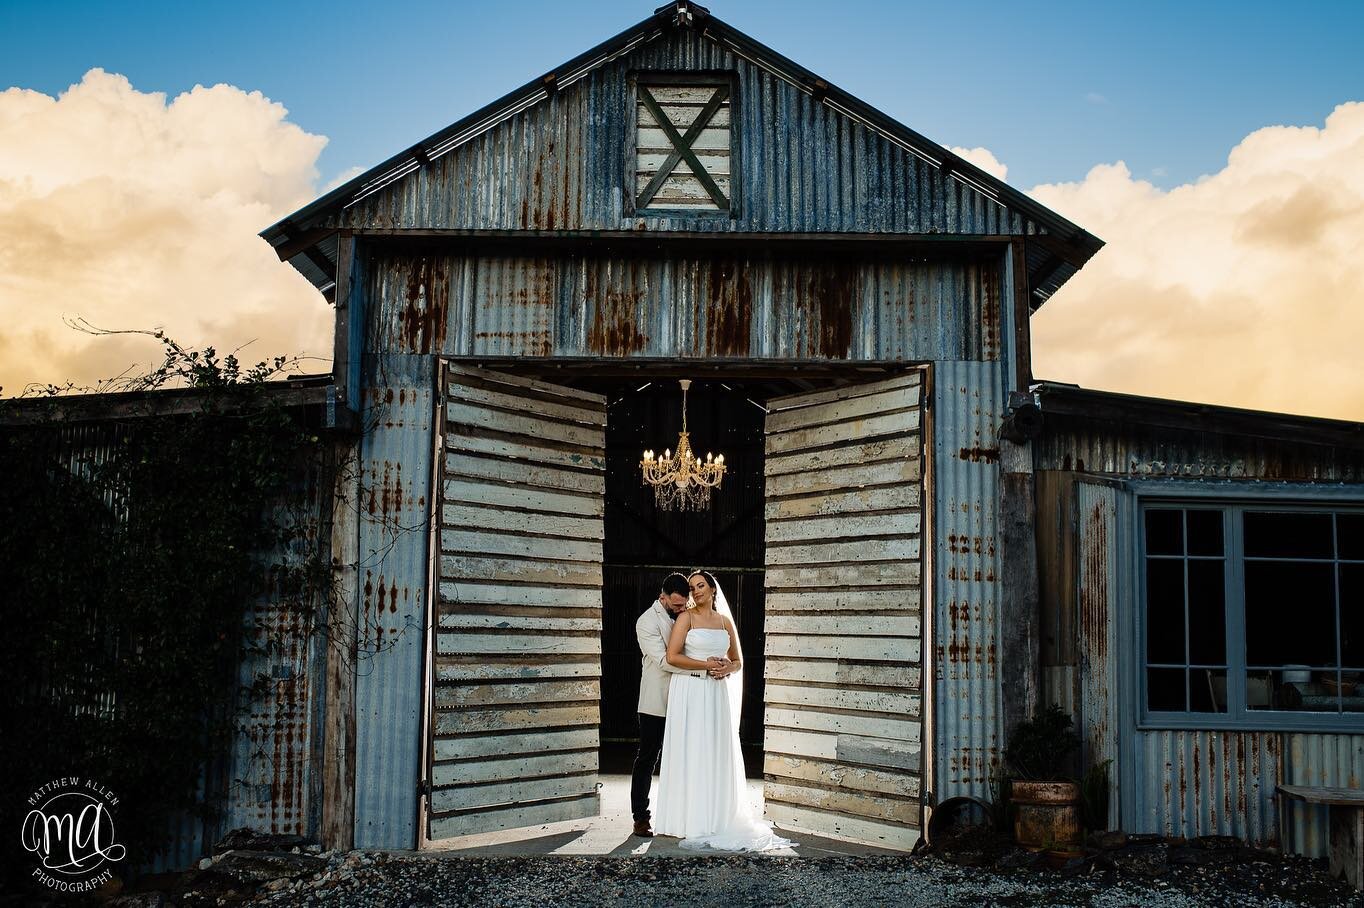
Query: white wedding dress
(702, 789)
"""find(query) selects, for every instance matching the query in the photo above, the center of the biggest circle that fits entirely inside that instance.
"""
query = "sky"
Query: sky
(1213, 146)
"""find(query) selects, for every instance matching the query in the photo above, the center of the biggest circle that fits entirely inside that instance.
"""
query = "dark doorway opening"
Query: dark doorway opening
(643, 543)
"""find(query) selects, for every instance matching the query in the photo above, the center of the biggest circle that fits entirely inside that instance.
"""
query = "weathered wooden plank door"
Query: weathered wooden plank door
(518, 644)
(842, 721)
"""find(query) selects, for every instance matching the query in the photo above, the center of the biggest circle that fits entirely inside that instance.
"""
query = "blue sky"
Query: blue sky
(1051, 89)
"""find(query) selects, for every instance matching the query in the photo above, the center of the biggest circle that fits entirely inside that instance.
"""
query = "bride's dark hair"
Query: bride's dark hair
(710, 578)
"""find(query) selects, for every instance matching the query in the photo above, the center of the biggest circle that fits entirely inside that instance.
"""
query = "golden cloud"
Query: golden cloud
(1242, 288)
(132, 212)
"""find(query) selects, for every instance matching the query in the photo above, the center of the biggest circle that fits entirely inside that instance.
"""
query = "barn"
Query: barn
(922, 542)
(517, 297)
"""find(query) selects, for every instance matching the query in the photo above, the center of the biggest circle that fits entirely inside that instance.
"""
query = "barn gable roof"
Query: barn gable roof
(1056, 249)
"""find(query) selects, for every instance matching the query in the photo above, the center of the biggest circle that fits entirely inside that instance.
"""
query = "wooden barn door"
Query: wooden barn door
(843, 679)
(518, 640)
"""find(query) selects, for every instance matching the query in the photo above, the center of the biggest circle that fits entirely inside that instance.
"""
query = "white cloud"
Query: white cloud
(1242, 288)
(984, 159)
(1093, 97)
(131, 211)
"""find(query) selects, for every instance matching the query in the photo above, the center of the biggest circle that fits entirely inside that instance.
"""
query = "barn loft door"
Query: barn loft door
(842, 699)
(518, 643)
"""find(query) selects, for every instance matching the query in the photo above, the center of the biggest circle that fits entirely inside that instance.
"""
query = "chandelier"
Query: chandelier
(682, 482)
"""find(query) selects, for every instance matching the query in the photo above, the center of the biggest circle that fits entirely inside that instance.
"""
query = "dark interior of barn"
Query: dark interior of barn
(644, 543)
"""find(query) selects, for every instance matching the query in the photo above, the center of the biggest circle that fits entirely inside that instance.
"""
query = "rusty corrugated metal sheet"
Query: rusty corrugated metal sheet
(968, 404)
(273, 784)
(1192, 783)
(1125, 449)
(1222, 783)
(724, 307)
(561, 165)
(266, 780)
(395, 478)
(1097, 593)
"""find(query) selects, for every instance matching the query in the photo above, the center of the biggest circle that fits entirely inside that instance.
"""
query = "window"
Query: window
(1252, 613)
(683, 144)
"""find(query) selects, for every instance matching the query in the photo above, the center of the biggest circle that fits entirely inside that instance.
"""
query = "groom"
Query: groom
(652, 630)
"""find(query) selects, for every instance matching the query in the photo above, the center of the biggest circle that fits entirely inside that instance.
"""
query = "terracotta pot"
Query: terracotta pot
(1046, 814)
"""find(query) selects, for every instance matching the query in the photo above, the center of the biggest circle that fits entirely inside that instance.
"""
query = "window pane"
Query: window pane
(1207, 612)
(1207, 690)
(1164, 532)
(1165, 610)
(1205, 532)
(1290, 613)
(1350, 535)
(1352, 615)
(1165, 689)
(1293, 690)
(1282, 534)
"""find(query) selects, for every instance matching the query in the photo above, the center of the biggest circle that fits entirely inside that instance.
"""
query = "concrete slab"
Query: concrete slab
(610, 835)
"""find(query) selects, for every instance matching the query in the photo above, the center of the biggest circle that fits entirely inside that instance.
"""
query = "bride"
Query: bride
(702, 789)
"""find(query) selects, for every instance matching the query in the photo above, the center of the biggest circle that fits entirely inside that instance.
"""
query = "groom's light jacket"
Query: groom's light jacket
(652, 630)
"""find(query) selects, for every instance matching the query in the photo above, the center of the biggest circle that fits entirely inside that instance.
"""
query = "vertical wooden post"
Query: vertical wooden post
(338, 773)
(344, 359)
(338, 724)
(1345, 840)
(1020, 617)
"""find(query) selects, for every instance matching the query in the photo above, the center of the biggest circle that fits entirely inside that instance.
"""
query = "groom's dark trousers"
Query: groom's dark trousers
(646, 760)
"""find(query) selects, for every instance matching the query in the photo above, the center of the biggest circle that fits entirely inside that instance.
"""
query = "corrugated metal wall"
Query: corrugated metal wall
(968, 405)
(1070, 444)
(270, 779)
(1100, 553)
(739, 306)
(561, 165)
(1175, 782)
(395, 499)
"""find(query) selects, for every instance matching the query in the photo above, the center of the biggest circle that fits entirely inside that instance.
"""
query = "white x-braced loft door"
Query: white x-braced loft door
(843, 693)
(518, 634)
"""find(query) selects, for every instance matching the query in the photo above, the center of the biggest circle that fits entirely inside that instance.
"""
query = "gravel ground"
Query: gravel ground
(402, 879)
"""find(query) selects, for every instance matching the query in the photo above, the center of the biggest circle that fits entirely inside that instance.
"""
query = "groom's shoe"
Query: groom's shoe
(642, 829)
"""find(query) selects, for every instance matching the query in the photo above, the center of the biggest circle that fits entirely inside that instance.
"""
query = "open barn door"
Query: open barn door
(517, 684)
(842, 719)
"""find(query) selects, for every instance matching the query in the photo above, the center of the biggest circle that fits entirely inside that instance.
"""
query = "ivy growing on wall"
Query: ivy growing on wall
(132, 550)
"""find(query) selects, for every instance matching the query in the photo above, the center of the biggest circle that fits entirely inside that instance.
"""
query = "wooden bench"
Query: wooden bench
(1345, 822)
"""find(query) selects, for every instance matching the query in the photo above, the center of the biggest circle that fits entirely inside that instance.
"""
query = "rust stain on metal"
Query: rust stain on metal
(832, 291)
(1094, 590)
(979, 455)
(422, 319)
(614, 330)
(989, 314)
(1197, 772)
(959, 544)
(730, 316)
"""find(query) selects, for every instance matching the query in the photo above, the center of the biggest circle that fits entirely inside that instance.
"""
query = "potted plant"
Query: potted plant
(1044, 797)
